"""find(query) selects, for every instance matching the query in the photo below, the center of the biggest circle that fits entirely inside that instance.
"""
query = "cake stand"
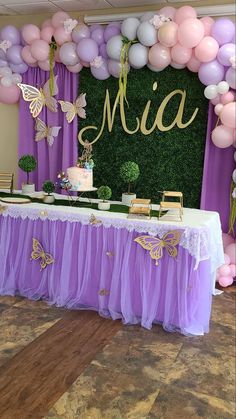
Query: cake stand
(73, 199)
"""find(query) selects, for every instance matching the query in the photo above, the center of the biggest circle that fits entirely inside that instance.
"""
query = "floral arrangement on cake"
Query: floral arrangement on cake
(85, 161)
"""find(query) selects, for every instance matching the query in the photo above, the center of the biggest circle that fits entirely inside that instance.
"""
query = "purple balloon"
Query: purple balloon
(2, 54)
(103, 50)
(11, 33)
(95, 26)
(19, 68)
(87, 50)
(101, 73)
(14, 54)
(116, 24)
(225, 53)
(211, 73)
(3, 63)
(98, 35)
(81, 31)
(111, 31)
(230, 77)
(114, 68)
(223, 31)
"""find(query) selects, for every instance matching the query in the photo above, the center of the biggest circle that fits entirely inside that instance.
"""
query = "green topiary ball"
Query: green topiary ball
(129, 171)
(104, 193)
(48, 186)
(27, 163)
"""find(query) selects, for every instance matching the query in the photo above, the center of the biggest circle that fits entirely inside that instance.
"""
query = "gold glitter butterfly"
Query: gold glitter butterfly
(75, 108)
(39, 253)
(156, 245)
(93, 220)
(38, 98)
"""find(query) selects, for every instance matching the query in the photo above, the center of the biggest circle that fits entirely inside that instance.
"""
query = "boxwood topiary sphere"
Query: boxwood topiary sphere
(129, 171)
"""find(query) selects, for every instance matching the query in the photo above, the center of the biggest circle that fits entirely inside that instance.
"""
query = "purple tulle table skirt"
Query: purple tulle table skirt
(103, 269)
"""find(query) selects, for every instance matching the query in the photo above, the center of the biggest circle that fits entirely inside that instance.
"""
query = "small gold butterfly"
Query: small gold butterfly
(39, 253)
(75, 108)
(2, 209)
(38, 98)
(103, 292)
(93, 220)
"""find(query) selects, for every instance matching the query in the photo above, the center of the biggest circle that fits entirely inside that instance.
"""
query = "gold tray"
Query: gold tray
(15, 200)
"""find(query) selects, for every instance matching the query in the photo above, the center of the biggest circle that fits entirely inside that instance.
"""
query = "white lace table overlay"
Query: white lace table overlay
(201, 230)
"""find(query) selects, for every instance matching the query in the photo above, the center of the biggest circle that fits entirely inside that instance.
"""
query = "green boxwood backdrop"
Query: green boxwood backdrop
(171, 160)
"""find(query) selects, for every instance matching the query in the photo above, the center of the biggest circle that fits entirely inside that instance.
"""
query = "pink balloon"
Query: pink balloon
(46, 23)
(40, 50)
(61, 36)
(218, 108)
(224, 270)
(190, 32)
(227, 239)
(167, 34)
(207, 22)
(59, 18)
(27, 56)
(227, 97)
(177, 66)
(168, 11)
(225, 281)
(231, 252)
(207, 49)
(75, 68)
(228, 115)
(193, 64)
(180, 54)
(222, 136)
(216, 100)
(30, 33)
(45, 65)
(159, 56)
(227, 259)
(57, 55)
(9, 95)
(47, 33)
(232, 270)
(85, 64)
(185, 12)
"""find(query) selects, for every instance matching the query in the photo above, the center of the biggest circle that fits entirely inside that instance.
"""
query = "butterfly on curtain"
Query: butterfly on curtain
(156, 245)
(43, 131)
(75, 108)
(39, 253)
(38, 98)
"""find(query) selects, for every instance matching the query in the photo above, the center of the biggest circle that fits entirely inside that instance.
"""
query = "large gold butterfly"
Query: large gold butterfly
(156, 245)
(75, 108)
(39, 253)
(38, 98)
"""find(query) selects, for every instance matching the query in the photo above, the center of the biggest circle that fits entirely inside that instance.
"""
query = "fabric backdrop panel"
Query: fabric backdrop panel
(63, 153)
(218, 168)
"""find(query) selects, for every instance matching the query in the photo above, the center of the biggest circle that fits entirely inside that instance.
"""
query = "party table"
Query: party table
(129, 269)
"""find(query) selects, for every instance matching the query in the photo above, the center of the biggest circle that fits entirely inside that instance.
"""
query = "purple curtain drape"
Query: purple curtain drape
(63, 153)
(218, 168)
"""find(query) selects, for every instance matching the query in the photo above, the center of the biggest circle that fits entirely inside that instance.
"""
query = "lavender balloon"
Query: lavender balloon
(68, 54)
(103, 50)
(10, 33)
(223, 31)
(81, 31)
(231, 77)
(111, 31)
(3, 63)
(19, 68)
(225, 53)
(98, 35)
(94, 26)
(102, 72)
(2, 55)
(211, 73)
(14, 54)
(114, 68)
(87, 50)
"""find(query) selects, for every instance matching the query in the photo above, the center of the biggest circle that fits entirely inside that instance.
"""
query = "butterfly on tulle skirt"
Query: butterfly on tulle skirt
(155, 245)
(39, 253)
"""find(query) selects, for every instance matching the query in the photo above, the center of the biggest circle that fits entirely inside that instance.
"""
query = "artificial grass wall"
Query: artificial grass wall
(171, 160)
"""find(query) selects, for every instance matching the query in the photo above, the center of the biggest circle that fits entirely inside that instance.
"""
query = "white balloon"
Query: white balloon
(222, 87)
(114, 46)
(152, 68)
(138, 55)
(6, 81)
(147, 34)
(5, 71)
(234, 176)
(129, 28)
(146, 16)
(234, 193)
(235, 156)
(114, 68)
(177, 66)
(16, 78)
(210, 91)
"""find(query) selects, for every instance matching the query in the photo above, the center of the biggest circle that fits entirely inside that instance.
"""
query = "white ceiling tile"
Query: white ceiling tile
(31, 8)
(5, 11)
(13, 2)
(75, 5)
(179, 1)
(132, 3)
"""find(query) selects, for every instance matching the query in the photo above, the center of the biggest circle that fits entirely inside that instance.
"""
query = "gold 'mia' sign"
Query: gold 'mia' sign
(109, 116)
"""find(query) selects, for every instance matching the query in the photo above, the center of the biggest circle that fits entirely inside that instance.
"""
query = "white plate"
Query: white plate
(15, 200)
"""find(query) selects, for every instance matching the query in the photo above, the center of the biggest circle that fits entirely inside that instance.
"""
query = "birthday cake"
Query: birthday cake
(80, 178)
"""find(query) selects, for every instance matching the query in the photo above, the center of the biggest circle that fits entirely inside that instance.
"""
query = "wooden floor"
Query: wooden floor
(74, 364)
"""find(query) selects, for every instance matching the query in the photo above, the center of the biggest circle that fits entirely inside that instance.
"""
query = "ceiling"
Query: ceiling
(24, 7)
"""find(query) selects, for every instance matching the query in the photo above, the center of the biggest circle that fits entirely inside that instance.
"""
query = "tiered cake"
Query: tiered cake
(80, 178)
